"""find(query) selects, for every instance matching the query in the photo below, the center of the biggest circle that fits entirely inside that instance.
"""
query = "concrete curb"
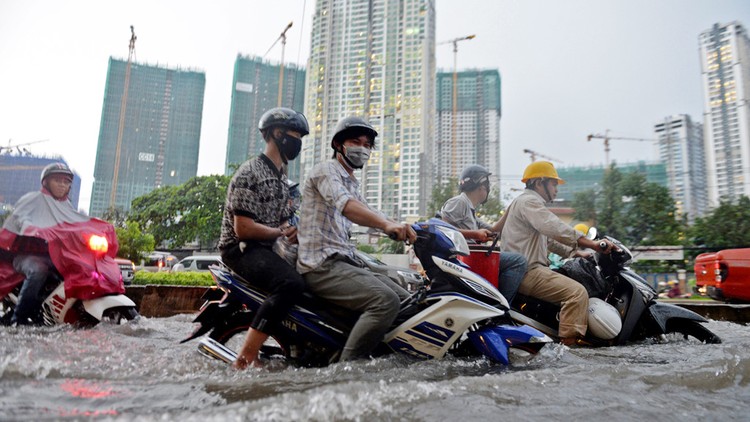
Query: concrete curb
(164, 301)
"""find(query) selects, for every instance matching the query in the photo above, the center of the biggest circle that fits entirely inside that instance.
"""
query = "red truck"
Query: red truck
(724, 275)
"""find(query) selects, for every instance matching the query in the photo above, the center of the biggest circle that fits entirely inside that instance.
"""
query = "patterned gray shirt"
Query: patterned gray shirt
(323, 229)
(258, 191)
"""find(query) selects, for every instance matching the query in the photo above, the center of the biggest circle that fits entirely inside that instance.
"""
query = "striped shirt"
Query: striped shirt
(323, 229)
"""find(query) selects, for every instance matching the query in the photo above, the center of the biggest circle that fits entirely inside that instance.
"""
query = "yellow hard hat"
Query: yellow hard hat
(581, 228)
(539, 169)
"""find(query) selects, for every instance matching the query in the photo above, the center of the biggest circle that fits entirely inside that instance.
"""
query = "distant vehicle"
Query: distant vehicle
(158, 261)
(724, 275)
(197, 263)
(127, 268)
(406, 277)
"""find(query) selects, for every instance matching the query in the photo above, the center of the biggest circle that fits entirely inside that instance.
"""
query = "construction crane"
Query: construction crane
(18, 148)
(121, 126)
(455, 42)
(282, 37)
(534, 154)
(607, 138)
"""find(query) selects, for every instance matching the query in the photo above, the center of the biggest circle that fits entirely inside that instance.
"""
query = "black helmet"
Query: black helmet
(284, 117)
(56, 168)
(472, 177)
(352, 127)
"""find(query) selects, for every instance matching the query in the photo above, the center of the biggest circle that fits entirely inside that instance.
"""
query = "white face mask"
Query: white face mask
(356, 156)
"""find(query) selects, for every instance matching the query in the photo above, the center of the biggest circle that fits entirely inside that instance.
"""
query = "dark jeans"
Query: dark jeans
(35, 268)
(512, 270)
(262, 267)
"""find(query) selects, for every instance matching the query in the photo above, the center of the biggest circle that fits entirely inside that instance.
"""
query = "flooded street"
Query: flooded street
(141, 372)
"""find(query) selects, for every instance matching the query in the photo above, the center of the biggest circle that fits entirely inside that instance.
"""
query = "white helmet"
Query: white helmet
(604, 320)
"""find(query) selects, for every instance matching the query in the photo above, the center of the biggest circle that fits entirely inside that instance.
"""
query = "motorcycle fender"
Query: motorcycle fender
(491, 343)
(96, 307)
(663, 312)
(494, 342)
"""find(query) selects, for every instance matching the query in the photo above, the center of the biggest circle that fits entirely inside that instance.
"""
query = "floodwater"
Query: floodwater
(139, 371)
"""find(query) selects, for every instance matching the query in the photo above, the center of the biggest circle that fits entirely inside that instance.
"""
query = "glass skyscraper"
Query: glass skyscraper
(680, 143)
(158, 132)
(376, 59)
(725, 64)
(255, 89)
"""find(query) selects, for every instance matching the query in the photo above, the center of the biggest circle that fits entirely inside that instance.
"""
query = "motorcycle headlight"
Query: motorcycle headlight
(459, 242)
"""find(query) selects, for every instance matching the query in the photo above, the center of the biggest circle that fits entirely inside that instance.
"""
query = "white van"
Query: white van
(197, 263)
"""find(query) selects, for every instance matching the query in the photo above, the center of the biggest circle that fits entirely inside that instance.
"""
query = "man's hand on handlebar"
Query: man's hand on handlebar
(401, 232)
(484, 235)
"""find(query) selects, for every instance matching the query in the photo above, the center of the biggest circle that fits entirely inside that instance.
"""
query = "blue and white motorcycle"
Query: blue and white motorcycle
(429, 326)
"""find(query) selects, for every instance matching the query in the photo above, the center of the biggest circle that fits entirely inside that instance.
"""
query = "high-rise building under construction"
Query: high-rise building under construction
(254, 90)
(149, 132)
(477, 123)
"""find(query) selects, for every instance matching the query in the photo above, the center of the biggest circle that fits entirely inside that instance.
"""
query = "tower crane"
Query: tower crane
(534, 154)
(121, 125)
(18, 148)
(607, 138)
(455, 42)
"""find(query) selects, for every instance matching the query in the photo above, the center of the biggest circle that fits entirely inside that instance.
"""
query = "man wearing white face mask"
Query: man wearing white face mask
(331, 202)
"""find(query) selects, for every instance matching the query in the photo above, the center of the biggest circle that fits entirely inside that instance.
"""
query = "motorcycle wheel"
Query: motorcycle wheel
(693, 329)
(119, 315)
(232, 335)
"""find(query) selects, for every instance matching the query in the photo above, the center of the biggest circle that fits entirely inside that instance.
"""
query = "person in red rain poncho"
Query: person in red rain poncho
(44, 232)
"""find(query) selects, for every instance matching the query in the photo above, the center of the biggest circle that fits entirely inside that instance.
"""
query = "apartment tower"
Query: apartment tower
(376, 59)
(725, 64)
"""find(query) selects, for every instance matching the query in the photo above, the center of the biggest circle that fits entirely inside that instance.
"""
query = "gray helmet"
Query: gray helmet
(472, 177)
(352, 127)
(286, 118)
(56, 168)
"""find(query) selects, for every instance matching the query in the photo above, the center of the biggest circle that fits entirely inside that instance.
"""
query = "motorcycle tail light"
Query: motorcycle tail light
(98, 244)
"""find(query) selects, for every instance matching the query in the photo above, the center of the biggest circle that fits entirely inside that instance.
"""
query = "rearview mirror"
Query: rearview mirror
(591, 234)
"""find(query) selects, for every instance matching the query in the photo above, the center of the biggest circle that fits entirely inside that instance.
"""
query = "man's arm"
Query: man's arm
(359, 213)
(247, 229)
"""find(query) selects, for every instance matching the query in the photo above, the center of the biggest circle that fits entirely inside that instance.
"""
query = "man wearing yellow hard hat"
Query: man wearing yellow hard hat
(532, 230)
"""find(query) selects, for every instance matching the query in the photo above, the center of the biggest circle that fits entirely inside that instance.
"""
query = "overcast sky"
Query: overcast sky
(568, 68)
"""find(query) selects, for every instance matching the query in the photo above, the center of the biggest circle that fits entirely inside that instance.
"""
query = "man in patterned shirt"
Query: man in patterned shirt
(256, 214)
(332, 202)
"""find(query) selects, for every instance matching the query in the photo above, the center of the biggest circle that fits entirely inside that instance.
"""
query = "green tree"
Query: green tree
(134, 244)
(727, 226)
(440, 194)
(116, 216)
(584, 205)
(491, 210)
(631, 209)
(182, 214)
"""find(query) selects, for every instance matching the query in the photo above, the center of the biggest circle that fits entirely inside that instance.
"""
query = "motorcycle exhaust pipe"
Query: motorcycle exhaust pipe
(213, 349)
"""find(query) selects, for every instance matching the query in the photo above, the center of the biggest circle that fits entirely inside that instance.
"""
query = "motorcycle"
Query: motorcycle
(83, 309)
(622, 305)
(429, 325)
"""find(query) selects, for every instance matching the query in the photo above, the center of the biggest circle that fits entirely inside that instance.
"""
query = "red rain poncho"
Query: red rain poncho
(67, 232)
